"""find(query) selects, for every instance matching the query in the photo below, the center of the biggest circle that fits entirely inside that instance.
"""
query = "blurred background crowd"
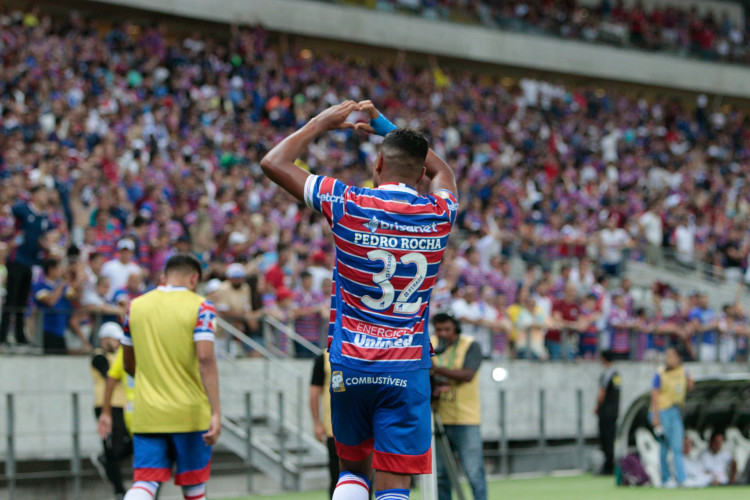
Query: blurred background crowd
(122, 144)
(711, 34)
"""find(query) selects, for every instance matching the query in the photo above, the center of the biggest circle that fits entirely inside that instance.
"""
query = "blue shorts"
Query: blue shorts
(386, 414)
(154, 456)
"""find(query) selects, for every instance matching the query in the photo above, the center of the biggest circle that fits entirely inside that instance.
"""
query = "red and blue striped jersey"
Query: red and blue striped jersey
(389, 245)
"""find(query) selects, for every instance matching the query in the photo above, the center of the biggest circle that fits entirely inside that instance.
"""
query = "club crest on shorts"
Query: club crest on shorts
(337, 382)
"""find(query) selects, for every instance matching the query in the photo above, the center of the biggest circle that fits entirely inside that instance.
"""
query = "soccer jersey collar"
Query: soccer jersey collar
(170, 288)
(398, 186)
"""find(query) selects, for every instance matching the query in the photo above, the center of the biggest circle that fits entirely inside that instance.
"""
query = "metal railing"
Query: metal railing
(14, 432)
(271, 324)
(282, 393)
(726, 349)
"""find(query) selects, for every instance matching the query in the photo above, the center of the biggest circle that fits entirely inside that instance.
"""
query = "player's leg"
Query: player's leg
(403, 433)
(152, 465)
(334, 468)
(354, 480)
(194, 492)
(193, 458)
(142, 490)
(351, 417)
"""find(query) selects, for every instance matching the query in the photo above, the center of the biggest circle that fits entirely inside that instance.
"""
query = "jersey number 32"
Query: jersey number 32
(383, 280)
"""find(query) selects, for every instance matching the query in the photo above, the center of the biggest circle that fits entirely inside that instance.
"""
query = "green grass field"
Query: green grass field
(569, 488)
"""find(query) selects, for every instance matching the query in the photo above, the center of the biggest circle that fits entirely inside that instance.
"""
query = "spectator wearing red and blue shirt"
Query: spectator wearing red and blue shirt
(473, 274)
(310, 307)
(588, 339)
(619, 323)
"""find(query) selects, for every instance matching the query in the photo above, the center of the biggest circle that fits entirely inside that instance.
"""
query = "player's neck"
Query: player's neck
(395, 180)
(176, 282)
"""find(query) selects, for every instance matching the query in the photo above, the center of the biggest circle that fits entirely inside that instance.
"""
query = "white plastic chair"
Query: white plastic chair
(740, 447)
(699, 445)
(648, 450)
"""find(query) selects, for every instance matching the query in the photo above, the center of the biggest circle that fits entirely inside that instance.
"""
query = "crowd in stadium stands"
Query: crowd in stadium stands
(673, 28)
(121, 145)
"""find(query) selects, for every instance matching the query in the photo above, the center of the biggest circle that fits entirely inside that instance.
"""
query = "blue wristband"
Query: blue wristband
(382, 125)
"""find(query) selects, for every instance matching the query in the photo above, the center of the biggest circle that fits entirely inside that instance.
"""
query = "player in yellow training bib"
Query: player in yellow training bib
(168, 348)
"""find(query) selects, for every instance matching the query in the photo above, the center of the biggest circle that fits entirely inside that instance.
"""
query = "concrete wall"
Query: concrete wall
(44, 410)
(466, 42)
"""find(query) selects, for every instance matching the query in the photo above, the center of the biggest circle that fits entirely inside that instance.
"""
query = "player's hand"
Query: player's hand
(214, 430)
(104, 425)
(364, 127)
(372, 113)
(334, 117)
(368, 106)
(320, 432)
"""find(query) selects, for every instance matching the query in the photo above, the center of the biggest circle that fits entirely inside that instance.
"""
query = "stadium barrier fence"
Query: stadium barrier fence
(279, 340)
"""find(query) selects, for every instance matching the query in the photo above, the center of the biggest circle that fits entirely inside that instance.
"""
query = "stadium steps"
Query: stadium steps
(276, 451)
(281, 447)
(719, 293)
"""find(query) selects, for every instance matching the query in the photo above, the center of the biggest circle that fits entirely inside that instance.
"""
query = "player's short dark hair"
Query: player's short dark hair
(305, 274)
(405, 150)
(442, 317)
(184, 263)
(49, 264)
(607, 355)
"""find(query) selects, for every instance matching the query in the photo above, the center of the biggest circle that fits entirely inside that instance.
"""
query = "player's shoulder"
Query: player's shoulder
(445, 194)
(205, 305)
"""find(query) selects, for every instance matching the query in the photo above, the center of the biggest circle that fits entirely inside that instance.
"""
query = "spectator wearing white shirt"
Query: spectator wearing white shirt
(613, 241)
(695, 475)
(91, 273)
(490, 244)
(651, 229)
(478, 316)
(718, 462)
(684, 241)
(583, 276)
(119, 270)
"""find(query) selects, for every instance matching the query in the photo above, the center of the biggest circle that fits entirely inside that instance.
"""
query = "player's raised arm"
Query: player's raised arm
(278, 164)
(441, 174)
